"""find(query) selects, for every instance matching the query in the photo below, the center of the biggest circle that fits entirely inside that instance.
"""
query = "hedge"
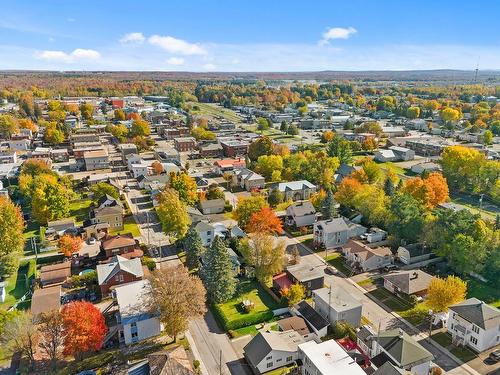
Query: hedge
(244, 321)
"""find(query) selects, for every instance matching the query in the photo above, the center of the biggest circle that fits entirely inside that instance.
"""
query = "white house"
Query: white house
(19, 144)
(297, 190)
(205, 231)
(135, 317)
(271, 350)
(331, 233)
(247, 179)
(366, 258)
(326, 358)
(336, 305)
(474, 323)
(301, 214)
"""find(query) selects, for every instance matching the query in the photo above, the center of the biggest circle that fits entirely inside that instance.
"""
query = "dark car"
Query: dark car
(392, 267)
(494, 356)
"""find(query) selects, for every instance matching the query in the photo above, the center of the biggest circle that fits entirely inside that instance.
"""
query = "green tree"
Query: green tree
(340, 148)
(185, 186)
(413, 112)
(389, 187)
(8, 125)
(262, 124)
(102, 189)
(194, 248)
(259, 147)
(248, 206)
(488, 137)
(172, 213)
(406, 219)
(54, 136)
(216, 272)
(140, 128)
(267, 164)
(329, 209)
(284, 127)
(265, 254)
(275, 197)
(11, 233)
(293, 130)
(50, 199)
(119, 115)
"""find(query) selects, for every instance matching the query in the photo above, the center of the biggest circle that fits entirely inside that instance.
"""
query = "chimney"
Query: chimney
(414, 276)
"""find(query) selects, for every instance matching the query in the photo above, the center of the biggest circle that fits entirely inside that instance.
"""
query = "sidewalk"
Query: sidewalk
(196, 353)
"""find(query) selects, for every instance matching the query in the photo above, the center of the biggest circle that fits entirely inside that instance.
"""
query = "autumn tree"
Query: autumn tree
(119, 115)
(87, 111)
(50, 199)
(264, 221)
(214, 192)
(101, 189)
(193, 247)
(216, 272)
(26, 123)
(20, 335)
(429, 191)
(442, 293)
(259, 147)
(140, 128)
(341, 149)
(413, 112)
(247, 207)
(11, 234)
(186, 186)
(265, 253)
(327, 136)
(449, 115)
(68, 244)
(177, 296)
(172, 213)
(268, 165)
(275, 197)
(157, 168)
(294, 294)
(8, 125)
(347, 191)
(52, 335)
(84, 327)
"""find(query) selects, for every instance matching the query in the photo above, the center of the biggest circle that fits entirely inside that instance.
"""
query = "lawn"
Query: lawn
(129, 226)
(462, 352)
(32, 230)
(215, 110)
(18, 283)
(484, 292)
(232, 314)
(366, 283)
(79, 210)
(390, 300)
(337, 261)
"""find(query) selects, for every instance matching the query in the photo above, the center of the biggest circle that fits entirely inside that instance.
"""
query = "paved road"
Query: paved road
(375, 313)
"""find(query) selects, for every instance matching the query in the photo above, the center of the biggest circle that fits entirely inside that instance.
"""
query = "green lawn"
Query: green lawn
(417, 314)
(390, 300)
(366, 283)
(214, 111)
(444, 339)
(337, 261)
(129, 226)
(17, 283)
(79, 210)
(484, 292)
(32, 230)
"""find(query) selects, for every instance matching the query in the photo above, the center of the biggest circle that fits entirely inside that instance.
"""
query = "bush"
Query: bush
(244, 321)
(228, 207)
(341, 330)
(149, 262)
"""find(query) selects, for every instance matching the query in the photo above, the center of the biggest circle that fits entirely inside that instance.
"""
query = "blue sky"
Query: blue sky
(249, 35)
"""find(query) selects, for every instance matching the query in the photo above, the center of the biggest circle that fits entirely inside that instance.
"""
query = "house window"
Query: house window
(279, 359)
(134, 335)
(133, 324)
(475, 329)
(121, 278)
(209, 232)
(473, 340)
(289, 359)
(452, 326)
(269, 364)
(270, 357)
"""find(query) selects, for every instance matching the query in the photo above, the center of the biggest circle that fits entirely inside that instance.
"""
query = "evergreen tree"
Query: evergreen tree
(275, 197)
(497, 222)
(194, 248)
(216, 272)
(389, 187)
(400, 184)
(329, 210)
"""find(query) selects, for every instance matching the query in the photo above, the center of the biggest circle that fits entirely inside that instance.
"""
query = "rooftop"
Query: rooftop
(478, 313)
(340, 299)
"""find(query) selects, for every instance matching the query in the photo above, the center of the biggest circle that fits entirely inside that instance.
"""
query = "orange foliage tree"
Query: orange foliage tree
(85, 328)
(157, 168)
(347, 191)
(69, 244)
(264, 221)
(429, 191)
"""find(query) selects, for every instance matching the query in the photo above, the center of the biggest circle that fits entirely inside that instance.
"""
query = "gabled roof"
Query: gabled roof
(112, 201)
(212, 203)
(265, 342)
(106, 271)
(366, 252)
(116, 242)
(301, 209)
(478, 313)
(295, 185)
(403, 348)
(295, 323)
(337, 224)
(339, 300)
(311, 316)
(410, 282)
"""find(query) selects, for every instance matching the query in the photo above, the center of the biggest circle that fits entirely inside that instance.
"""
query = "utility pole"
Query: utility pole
(220, 362)
(431, 314)
(330, 305)
(147, 223)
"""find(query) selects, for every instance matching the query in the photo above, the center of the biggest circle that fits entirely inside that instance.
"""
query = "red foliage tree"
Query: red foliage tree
(84, 327)
(264, 221)
(69, 244)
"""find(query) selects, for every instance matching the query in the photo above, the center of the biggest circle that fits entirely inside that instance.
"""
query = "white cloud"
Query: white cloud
(133, 38)
(209, 67)
(337, 33)
(174, 45)
(76, 55)
(175, 61)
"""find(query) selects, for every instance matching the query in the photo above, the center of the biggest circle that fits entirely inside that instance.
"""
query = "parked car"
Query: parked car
(331, 271)
(494, 356)
(389, 268)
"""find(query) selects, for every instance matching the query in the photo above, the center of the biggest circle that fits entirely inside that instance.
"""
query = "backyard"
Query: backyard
(483, 291)
(336, 260)
(462, 352)
(129, 226)
(18, 283)
(79, 210)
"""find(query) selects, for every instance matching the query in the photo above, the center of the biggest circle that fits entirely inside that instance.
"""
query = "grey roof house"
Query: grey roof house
(332, 233)
(336, 304)
(300, 214)
(414, 282)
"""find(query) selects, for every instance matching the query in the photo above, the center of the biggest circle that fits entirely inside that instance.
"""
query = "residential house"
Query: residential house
(45, 300)
(206, 232)
(365, 258)
(397, 347)
(233, 148)
(414, 253)
(326, 358)
(394, 153)
(271, 350)
(212, 206)
(122, 244)
(137, 166)
(59, 155)
(345, 170)
(414, 282)
(247, 179)
(194, 214)
(300, 214)
(118, 271)
(127, 149)
(109, 210)
(296, 190)
(41, 153)
(96, 160)
(426, 167)
(136, 320)
(8, 157)
(337, 305)
(297, 324)
(185, 144)
(71, 121)
(228, 165)
(20, 144)
(332, 233)
(171, 362)
(310, 278)
(55, 274)
(474, 323)
(58, 228)
(316, 322)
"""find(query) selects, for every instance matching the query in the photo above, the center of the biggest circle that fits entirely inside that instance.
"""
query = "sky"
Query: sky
(249, 35)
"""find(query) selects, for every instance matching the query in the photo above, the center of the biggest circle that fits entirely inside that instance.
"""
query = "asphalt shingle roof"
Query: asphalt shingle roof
(478, 312)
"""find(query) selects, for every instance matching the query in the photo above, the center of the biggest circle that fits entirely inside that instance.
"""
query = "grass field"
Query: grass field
(215, 111)
(484, 292)
(337, 261)
(17, 283)
(79, 210)
(444, 339)
(129, 226)
(32, 230)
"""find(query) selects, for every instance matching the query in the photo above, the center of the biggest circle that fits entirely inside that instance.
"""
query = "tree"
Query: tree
(52, 335)
(186, 186)
(87, 111)
(214, 192)
(369, 144)
(442, 293)
(406, 219)
(194, 248)
(264, 221)
(284, 127)
(54, 136)
(329, 209)
(85, 328)
(293, 130)
(228, 177)
(429, 191)
(347, 190)
(295, 255)
(340, 148)
(101, 189)
(157, 168)
(140, 128)
(119, 115)
(488, 137)
(449, 115)
(20, 335)
(248, 206)
(177, 296)
(262, 124)
(200, 133)
(265, 253)
(68, 244)
(327, 136)
(389, 187)
(216, 272)
(26, 123)
(268, 164)
(172, 213)
(50, 199)
(259, 147)
(275, 197)
(8, 125)
(295, 294)
(118, 131)
(413, 112)
(11, 234)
